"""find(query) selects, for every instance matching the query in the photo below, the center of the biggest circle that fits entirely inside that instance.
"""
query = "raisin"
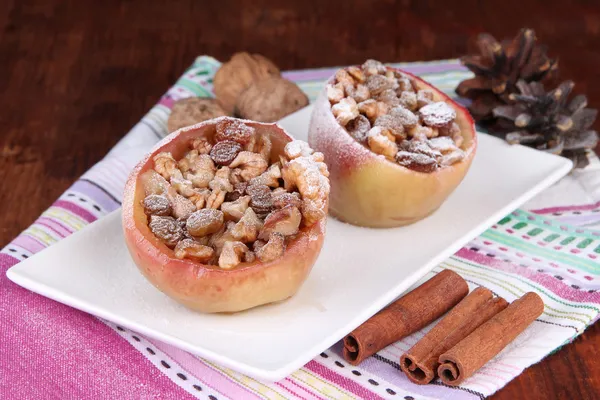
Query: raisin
(167, 229)
(235, 130)
(260, 199)
(358, 128)
(156, 204)
(204, 222)
(437, 114)
(223, 153)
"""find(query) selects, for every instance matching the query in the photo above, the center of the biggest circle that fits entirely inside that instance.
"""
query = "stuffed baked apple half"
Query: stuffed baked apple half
(227, 214)
(396, 147)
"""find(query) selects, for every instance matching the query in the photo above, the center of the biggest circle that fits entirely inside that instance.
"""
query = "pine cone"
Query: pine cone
(548, 121)
(499, 67)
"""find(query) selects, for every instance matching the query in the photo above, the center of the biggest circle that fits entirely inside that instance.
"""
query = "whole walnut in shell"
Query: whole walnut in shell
(270, 99)
(238, 74)
(191, 110)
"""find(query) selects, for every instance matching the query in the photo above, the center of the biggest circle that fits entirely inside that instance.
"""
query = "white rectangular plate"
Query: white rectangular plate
(358, 272)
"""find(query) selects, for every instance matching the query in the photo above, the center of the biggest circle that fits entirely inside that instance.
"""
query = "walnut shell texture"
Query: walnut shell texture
(190, 111)
(238, 74)
(270, 99)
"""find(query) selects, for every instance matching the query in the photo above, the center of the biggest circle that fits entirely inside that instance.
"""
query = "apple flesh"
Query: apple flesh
(367, 189)
(207, 288)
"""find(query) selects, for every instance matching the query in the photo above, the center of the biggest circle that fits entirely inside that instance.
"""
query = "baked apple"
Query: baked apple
(396, 147)
(227, 214)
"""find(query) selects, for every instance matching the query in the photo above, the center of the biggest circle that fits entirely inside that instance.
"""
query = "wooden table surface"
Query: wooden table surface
(76, 75)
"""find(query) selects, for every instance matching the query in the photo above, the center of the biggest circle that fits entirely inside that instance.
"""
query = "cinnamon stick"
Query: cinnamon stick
(406, 315)
(420, 363)
(471, 353)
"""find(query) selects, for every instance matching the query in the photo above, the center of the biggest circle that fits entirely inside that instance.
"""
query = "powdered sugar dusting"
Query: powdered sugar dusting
(437, 114)
(156, 204)
(297, 148)
(443, 144)
(166, 229)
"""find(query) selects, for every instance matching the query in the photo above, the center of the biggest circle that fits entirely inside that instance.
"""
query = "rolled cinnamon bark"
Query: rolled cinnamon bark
(471, 353)
(420, 363)
(406, 315)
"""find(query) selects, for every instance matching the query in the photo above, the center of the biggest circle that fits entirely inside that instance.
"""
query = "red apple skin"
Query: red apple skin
(208, 288)
(367, 189)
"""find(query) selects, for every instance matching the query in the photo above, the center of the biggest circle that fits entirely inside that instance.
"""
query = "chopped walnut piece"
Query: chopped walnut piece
(263, 147)
(251, 145)
(232, 254)
(185, 163)
(247, 228)
(452, 130)
(335, 93)
(381, 144)
(235, 130)
(281, 200)
(358, 93)
(224, 152)
(297, 148)
(182, 186)
(373, 109)
(452, 157)
(200, 197)
(309, 174)
(270, 177)
(201, 145)
(373, 67)
(409, 100)
(421, 147)
(404, 116)
(204, 222)
(458, 139)
(389, 97)
(166, 229)
(285, 221)
(416, 161)
(424, 98)
(343, 77)
(437, 114)
(443, 144)
(234, 210)
(357, 73)
(249, 256)
(189, 248)
(358, 128)
(220, 186)
(239, 189)
(421, 133)
(345, 111)
(389, 123)
(249, 165)
(165, 164)
(278, 191)
(181, 206)
(404, 84)
(154, 183)
(156, 204)
(378, 83)
(197, 168)
(218, 239)
(273, 249)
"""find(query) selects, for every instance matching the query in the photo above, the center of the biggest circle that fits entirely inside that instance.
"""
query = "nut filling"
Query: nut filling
(227, 202)
(385, 111)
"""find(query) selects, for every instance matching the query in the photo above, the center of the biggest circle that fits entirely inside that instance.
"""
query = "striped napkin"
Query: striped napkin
(52, 351)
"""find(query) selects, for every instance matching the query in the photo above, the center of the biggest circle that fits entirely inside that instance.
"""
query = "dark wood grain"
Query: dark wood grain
(76, 75)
